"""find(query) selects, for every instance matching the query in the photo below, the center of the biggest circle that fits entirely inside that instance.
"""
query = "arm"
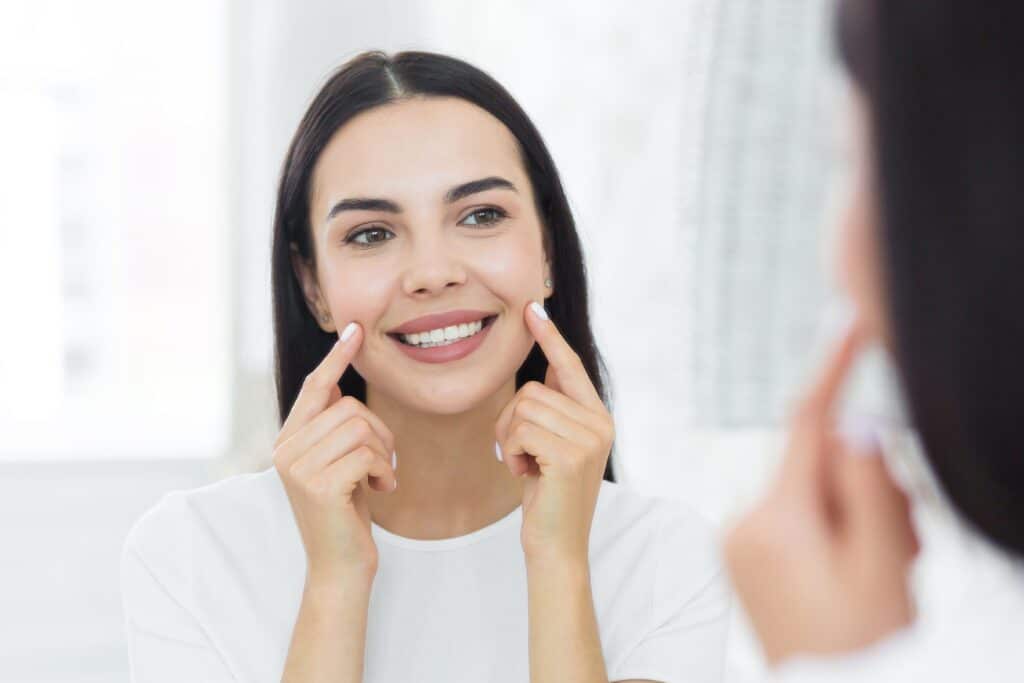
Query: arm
(329, 639)
(564, 642)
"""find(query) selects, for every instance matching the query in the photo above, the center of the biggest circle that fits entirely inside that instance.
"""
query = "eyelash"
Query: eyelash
(499, 215)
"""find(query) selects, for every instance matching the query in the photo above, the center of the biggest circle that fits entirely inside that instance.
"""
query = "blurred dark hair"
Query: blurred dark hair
(946, 93)
(373, 79)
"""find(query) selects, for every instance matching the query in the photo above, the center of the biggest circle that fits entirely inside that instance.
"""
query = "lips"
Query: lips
(439, 321)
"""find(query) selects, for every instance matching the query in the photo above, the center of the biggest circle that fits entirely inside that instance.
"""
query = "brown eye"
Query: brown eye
(487, 216)
(370, 236)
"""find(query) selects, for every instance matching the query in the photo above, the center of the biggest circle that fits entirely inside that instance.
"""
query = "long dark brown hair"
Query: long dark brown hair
(945, 83)
(373, 79)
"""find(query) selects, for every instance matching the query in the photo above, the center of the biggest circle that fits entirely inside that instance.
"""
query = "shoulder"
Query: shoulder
(165, 533)
(625, 512)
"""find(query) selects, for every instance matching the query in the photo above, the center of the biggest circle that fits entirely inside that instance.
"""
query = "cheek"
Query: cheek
(858, 260)
(512, 270)
(357, 292)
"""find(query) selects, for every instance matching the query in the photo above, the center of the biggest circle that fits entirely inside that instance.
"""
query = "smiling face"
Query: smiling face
(422, 208)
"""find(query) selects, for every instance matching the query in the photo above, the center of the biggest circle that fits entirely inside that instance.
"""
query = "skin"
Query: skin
(443, 420)
(821, 563)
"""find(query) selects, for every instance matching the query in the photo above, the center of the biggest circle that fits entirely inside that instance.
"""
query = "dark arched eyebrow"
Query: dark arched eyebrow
(482, 185)
(453, 195)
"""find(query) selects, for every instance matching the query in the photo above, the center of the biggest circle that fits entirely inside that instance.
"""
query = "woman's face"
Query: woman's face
(857, 247)
(422, 208)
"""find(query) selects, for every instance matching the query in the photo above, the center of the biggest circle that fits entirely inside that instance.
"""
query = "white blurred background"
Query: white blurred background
(699, 144)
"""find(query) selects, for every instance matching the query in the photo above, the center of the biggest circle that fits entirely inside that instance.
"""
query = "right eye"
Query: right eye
(368, 237)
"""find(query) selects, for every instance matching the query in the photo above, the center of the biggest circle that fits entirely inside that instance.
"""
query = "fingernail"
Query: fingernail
(497, 452)
(394, 460)
(539, 310)
(862, 435)
(396, 485)
(348, 331)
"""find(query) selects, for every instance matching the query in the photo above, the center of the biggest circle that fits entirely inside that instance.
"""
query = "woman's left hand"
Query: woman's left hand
(558, 435)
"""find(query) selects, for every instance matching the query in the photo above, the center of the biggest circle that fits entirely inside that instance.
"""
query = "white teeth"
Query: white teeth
(443, 336)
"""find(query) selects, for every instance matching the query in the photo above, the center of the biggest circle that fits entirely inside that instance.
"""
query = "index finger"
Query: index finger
(319, 385)
(824, 390)
(568, 368)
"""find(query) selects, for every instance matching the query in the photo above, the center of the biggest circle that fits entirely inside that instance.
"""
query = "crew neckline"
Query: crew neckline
(434, 544)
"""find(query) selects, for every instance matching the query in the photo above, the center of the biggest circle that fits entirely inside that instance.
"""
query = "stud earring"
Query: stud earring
(548, 283)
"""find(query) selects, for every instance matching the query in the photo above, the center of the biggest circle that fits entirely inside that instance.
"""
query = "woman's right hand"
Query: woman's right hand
(330, 449)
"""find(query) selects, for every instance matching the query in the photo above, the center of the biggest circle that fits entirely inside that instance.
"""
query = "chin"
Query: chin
(451, 399)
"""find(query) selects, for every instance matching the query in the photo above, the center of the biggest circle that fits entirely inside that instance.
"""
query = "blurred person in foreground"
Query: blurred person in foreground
(931, 251)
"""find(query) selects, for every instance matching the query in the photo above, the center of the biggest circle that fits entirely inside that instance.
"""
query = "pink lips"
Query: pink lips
(448, 352)
(440, 320)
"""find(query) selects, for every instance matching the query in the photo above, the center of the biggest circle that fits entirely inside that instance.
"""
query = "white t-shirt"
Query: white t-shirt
(212, 579)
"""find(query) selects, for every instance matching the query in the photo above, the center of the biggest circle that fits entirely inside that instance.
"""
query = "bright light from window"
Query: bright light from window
(115, 247)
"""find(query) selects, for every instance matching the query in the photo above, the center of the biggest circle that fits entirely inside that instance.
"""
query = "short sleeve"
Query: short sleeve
(684, 639)
(166, 642)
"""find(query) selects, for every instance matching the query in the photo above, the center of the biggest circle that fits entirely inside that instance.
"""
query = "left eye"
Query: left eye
(486, 216)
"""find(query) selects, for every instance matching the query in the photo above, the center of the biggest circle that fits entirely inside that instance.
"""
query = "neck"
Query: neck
(449, 481)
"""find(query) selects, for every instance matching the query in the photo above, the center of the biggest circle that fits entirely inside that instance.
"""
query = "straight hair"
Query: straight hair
(946, 92)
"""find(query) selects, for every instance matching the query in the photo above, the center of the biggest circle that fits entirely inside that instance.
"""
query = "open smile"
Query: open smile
(443, 338)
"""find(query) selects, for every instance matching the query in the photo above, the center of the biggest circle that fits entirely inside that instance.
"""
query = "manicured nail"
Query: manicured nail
(394, 460)
(539, 310)
(348, 331)
(497, 452)
(396, 484)
(862, 435)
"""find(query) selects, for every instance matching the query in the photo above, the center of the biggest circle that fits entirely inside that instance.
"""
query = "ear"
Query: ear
(306, 275)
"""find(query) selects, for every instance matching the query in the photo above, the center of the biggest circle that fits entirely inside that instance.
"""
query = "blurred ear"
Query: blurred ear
(306, 275)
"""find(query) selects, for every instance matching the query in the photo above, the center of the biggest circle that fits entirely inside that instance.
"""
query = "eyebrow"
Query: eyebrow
(453, 195)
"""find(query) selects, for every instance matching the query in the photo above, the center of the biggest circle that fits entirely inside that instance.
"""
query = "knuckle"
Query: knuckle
(523, 408)
(350, 403)
(365, 457)
(360, 428)
(520, 430)
(531, 388)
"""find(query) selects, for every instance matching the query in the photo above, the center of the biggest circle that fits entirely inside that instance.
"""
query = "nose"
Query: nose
(433, 268)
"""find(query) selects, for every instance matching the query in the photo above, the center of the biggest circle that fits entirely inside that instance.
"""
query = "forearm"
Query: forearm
(564, 642)
(329, 638)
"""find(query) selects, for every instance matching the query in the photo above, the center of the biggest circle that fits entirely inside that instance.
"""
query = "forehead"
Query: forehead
(415, 148)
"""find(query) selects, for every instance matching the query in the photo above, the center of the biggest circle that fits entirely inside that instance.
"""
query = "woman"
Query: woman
(420, 222)
(932, 252)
